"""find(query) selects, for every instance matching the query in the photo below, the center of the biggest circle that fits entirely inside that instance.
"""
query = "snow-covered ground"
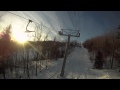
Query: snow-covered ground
(78, 66)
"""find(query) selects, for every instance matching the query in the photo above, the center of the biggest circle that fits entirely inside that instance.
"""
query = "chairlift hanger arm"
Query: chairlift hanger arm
(30, 21)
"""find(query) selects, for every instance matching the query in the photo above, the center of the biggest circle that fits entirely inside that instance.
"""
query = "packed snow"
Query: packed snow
(78, 66)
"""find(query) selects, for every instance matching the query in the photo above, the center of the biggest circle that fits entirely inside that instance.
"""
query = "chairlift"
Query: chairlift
(78, 34)
(60, 33)
(27, 31)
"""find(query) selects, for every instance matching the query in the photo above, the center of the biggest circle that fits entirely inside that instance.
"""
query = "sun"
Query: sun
(20, 36)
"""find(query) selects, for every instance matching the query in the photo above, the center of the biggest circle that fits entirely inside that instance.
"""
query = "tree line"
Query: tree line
(108, 44)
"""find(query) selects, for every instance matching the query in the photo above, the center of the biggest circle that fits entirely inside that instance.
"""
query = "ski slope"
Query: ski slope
(78, 66)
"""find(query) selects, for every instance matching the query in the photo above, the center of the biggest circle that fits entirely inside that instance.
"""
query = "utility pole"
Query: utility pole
(77, 34)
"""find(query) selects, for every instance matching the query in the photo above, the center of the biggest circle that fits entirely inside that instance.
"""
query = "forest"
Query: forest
(109, 45)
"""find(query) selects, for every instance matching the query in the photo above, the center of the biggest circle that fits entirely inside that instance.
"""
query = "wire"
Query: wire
(41, 22)
(27, 19)
(71, 19)
(42, 25)
(62, 21)
(17, 15)
(77, 20)
(75, 17)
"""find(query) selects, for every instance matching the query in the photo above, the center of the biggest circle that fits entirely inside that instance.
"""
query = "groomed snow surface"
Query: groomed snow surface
(78, 66)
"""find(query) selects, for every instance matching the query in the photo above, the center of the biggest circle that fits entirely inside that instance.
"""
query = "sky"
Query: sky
(90, 23)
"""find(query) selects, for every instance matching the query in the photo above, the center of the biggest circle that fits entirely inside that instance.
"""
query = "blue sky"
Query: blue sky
(90, 23)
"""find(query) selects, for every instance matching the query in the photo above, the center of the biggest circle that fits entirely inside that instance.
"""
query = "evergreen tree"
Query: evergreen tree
(99, 60)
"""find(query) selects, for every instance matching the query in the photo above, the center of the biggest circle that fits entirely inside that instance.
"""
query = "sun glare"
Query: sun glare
(20, 37)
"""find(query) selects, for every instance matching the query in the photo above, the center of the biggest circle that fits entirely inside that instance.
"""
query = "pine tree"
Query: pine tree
(99, 60)
(5, 48)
